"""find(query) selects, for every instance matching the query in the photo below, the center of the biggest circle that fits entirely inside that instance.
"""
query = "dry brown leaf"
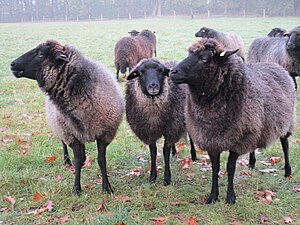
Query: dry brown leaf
(186, 163)
(192, 221)
(296, 189)
(123, 198)
(10, 199)
(101, 207)
(88, 162)
(235, 223)
(160, 220)
(59, 178)
(37, 197)
(287, 220)
(264, 220)
(50, 159)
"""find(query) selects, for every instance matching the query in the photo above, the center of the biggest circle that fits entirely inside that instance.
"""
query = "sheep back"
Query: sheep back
(87, 105)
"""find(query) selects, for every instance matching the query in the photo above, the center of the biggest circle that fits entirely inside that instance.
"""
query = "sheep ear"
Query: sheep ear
(167, 71)
(223, 56)
(286, 35)
(61, 57)
(133, 74)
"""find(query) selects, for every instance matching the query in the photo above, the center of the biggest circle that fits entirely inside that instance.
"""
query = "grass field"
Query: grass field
(29, 175)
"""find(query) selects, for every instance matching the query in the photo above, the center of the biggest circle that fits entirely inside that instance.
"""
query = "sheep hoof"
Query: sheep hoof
(107, 189)
(67, 161)
(211, 200)
(152, 179)
(251, 166)
(77, 190)
(288, 171)
(230, 200)
(167, 182)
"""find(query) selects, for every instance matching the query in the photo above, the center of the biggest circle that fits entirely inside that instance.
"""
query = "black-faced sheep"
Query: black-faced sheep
(83, 100)
(284, 51)
(234, 106)
(155, 108)
(230, 41)
(134, 32)
(277, 32)
(130, 50)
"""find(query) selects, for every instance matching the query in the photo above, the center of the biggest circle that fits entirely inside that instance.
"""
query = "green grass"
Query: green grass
(24, 171)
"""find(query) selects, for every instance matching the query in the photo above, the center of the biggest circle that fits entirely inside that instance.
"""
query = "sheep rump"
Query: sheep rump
(129, 51)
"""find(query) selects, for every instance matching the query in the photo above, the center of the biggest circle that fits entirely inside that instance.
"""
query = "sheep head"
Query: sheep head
(151, 74)
(203, 32)
(29, 65)
(134, 33)
(201, 65)
(293, 42)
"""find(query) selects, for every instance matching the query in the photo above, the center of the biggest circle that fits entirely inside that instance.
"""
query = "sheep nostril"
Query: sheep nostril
(13, 64)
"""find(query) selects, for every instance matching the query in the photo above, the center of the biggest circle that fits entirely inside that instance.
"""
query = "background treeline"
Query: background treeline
(38, 10)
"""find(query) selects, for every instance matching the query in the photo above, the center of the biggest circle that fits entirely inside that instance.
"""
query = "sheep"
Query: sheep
(155, 108)
(129, 51)
(229, 40)
(83, 101)
(284, 51)
(234, 106)
(134, 33)
(277, 32)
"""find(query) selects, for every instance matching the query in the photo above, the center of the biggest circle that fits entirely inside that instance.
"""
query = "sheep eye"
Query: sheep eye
(40, 55)
(204, 60)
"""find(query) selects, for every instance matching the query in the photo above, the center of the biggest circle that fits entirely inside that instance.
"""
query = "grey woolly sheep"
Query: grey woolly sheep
(277, 32)
(129, 51)
(155, 108)
(230, 41)
(83, 100)
(234, 106)
(284, 51)
(134, 32)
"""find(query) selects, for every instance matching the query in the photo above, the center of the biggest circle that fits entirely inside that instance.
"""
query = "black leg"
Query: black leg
(153, 153)
(67, 159)
(233, 156)
(215, 161)
(173, 150)
(167, 174)
(252, 160)
(193, 150)
(118, 71)
(77, 148)
(285, 147)
(102, 163)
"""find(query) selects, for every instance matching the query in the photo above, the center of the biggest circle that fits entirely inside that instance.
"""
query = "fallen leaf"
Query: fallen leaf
(296, 189)
(268, 171)
(235, 223)
(59, 178)
(134, 173)
(97, 181)
(3, 209)
(200, 151)
(176, 203)
(37, 197)
(264, 220)
(7, 139)
(70, 168)
(2, 129)
(186, 163)
(101, 207)
(287, 219)
(192, 221)
(160, 220)
(123, 198)
(149, 207)
(11, 200)
(89, 186)
(88, 162)
(6, 116)
(50, 159)
(180, 146)
(275, 160)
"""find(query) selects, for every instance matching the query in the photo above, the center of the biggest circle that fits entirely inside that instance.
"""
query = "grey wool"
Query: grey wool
(129, 51)
(229, 40)
(83, 100)
(284, 51)
(234, 106)
(155, 109)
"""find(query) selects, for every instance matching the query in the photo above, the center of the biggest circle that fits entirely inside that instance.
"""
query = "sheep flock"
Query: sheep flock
(219, 98)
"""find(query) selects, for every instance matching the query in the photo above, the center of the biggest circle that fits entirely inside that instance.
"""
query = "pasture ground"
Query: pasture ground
(32, 177)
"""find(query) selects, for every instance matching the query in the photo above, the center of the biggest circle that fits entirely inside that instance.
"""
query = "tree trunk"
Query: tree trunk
(157, 8)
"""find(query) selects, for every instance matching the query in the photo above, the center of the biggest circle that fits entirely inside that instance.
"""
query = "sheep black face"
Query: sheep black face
(293, 43)
(202, 32)
(198, 67)
(30, 64)
(134, 33)
(151, 76)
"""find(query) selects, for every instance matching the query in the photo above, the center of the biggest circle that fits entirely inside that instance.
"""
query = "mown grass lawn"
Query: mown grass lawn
(26, 142)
